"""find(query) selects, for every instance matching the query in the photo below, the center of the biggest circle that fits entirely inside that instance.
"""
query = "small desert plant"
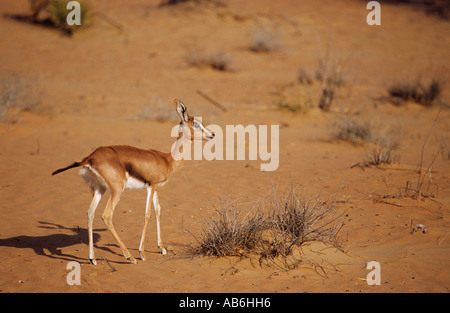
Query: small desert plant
(304, 77)
(272, 228)
(382, 153)
(326, 98)
(416, 92)
(445, 147)
(419, 191)
(17, 93)
(418, 186)
(264, 40)
(331, 76)
(353, 130)
(292, 104)
(330, 71)
(228, 233)
(57, 10)
(218, 60)
(303, 218)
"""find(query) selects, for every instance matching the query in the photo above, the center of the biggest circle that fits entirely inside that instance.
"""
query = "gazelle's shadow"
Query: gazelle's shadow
(54, 243)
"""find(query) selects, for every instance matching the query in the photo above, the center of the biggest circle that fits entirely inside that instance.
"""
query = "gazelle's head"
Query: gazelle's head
(191, 127)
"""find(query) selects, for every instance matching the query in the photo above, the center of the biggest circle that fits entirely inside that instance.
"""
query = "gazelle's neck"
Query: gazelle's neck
(177, 155)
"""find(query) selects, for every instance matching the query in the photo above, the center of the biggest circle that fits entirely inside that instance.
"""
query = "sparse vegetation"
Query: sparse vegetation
(437, 8)
(417, 92)
(419, 192)
(330, 78)
(418, 187)
(303, 218)
(304, 77)
(272, 229)
(326, 98)
(292, 104)
(218, 60)
(382, 153)
(329, 72)
(18, 93)
(57, 11)
(264, 40)
(227, 233)
(445, 147)
(353, 130)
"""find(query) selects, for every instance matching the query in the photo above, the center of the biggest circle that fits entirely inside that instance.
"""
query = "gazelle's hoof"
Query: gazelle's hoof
(142, 255)
(93, 261)
(163, 251)
(132, 260)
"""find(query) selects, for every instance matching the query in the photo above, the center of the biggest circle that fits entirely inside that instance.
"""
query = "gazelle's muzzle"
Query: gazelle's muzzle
(208, 135)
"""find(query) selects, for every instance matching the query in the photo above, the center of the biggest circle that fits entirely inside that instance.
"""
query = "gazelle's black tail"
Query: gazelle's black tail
(76, 164)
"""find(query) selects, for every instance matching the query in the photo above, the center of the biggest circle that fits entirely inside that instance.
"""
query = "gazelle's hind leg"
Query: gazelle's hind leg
(99, 187)
(90, 214)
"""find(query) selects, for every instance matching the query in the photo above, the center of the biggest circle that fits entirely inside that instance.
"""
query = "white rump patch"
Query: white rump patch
(93, 179)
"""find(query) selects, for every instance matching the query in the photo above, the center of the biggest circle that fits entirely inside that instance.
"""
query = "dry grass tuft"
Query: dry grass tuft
(228, 233)
(419, 186)
(18, 92)
(353, 130)
(445, 147)
(382, 153)
(417, 92)
(292, 104)
(218, 60)
(273, 230)
(264, 40)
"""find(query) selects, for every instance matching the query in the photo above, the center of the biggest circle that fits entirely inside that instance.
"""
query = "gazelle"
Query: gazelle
(116, 168)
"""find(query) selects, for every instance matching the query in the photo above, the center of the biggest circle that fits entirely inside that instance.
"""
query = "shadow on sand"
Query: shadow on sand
(26, 19)
(51, 245)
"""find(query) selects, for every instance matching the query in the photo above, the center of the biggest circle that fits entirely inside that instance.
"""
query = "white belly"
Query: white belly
(134, 183)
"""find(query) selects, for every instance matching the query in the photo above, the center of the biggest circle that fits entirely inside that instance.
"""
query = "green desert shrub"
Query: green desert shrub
(57, 11)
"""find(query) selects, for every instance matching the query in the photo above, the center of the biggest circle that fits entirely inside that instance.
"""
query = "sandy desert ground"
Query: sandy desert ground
(101, 87)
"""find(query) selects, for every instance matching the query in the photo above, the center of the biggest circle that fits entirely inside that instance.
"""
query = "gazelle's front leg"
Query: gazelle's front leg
(148, 211)
(158, 229)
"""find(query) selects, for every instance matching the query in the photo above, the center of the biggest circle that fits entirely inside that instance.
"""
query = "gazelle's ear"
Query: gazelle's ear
(181, 109)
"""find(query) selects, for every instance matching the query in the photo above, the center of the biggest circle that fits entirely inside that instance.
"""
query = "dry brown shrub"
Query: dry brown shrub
(273, 230)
